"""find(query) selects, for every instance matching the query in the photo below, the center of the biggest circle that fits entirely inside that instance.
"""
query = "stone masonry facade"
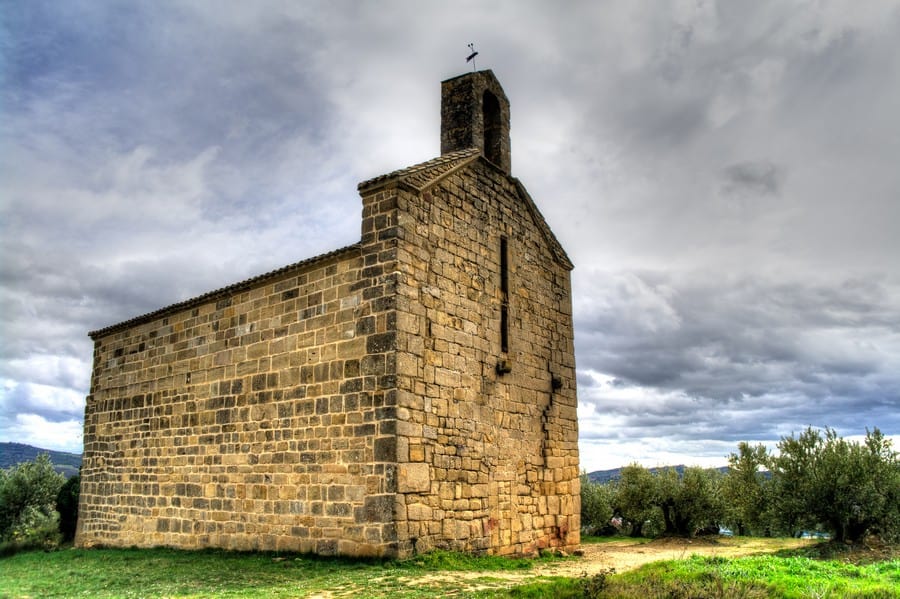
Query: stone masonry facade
(413, 391)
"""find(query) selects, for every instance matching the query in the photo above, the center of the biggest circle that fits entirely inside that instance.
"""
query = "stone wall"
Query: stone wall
(413, 391)
(251, 418)
(486, 460)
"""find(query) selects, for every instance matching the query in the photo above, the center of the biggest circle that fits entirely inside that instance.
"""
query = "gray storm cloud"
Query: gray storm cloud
(722, 174)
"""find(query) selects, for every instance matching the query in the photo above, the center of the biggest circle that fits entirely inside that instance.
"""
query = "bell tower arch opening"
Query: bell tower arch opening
(492, 119)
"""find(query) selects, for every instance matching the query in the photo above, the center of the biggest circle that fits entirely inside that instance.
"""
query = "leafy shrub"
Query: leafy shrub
(67, 506)
(35, 529)
(28, 518)
(593, 586)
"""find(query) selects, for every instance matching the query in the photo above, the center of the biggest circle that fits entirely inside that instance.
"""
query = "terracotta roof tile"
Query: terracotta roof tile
(422, 175)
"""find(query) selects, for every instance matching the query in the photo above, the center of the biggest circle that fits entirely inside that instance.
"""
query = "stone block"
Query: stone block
(416, 452)
(386, 449)
(407, 365)
(381, 343)
(409, 429)
(413, 478)
(418, 511)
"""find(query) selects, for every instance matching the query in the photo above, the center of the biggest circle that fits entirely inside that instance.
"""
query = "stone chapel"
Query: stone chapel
(412, 391)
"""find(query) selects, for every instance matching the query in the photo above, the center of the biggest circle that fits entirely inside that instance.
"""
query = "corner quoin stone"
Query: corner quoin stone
(413, 478)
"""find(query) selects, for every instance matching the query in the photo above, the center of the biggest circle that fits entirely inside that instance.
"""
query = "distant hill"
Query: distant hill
(604, 476)
(12, 454)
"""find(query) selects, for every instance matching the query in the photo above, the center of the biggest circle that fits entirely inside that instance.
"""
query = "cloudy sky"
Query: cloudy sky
(723, 174)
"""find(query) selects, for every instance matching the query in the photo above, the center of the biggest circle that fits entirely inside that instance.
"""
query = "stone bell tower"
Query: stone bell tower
(475, 114)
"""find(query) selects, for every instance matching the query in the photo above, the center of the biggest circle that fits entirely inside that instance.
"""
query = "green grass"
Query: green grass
(766, 576)
(452, 561)
(210, 573)
(173, 573)
(591, 540)
(786, 577)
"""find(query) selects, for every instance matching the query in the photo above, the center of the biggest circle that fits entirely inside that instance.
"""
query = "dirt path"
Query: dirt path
(619, 556)
(627, 554)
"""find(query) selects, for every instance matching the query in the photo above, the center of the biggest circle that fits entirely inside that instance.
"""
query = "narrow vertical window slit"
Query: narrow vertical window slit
(504, 328)
(504, 294)
(504, 268)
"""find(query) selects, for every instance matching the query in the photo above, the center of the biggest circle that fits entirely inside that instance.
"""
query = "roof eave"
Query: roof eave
(221, 293)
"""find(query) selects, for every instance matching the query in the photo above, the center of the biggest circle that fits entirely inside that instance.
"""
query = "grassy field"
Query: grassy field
(745, 577)
(170, 573)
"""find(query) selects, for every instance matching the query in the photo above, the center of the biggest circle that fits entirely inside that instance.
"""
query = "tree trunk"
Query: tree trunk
(668, 519)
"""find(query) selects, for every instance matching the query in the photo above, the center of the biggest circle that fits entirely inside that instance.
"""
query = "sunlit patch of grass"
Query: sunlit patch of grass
(592, 540)
(171, 573)
(770, 576)
(755, 577)
(166, 572)
(872, 551)
(454, 561)
(555, 587)
(214, 573)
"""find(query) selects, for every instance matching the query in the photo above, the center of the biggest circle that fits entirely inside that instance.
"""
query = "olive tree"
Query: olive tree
(745, 490)
(689, 502)
(596, 506)
(852, 489)
(635, 498)
(682, 504)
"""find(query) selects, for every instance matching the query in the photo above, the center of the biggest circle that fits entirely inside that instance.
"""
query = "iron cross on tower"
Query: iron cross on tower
(471, 56)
